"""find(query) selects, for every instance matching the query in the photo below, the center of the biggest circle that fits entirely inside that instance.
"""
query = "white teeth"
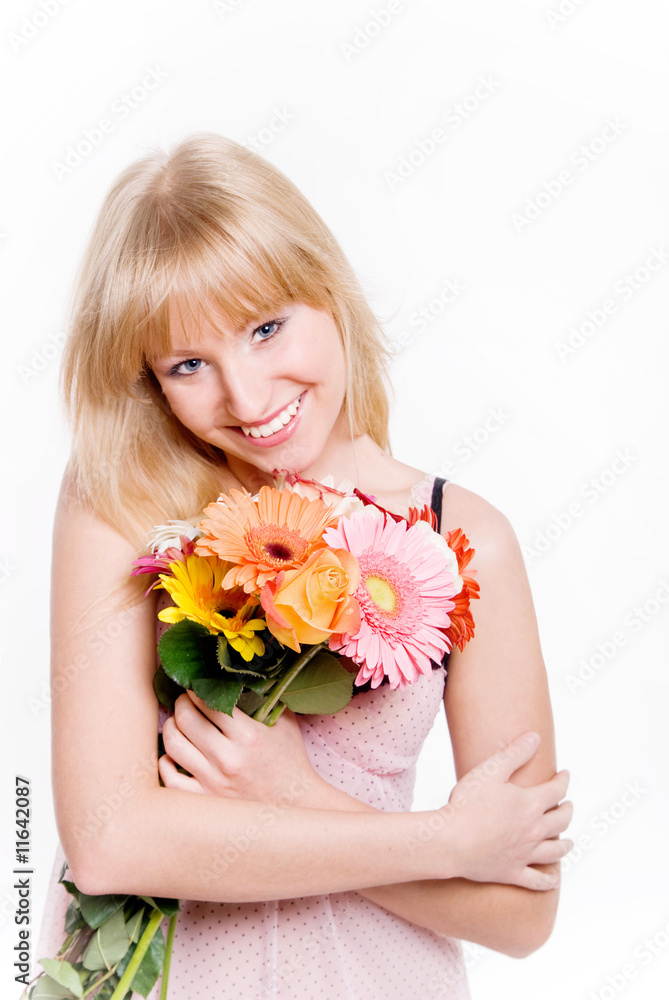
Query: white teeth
(266, 430)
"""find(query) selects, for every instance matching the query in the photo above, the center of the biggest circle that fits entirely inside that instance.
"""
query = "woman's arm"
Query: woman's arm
(123, 832)
(496, 689)
(485, 712)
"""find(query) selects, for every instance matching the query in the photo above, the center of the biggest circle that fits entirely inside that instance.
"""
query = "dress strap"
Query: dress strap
(435, 502)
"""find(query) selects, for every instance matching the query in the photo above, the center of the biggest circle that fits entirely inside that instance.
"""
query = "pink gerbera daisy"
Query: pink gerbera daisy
(404, 594)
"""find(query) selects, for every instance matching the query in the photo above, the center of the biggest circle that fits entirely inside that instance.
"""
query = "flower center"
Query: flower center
(382, 593)
(275, 545)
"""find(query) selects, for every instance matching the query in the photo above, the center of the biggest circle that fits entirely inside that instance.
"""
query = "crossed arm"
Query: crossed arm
(496, 689)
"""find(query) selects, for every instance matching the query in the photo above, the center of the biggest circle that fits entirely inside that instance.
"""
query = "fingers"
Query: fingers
(503, 763)
(541, 881)
(553, 791)
(556, 821)
(228, 725)
(175, 779)
(550, 851)
(180, 749)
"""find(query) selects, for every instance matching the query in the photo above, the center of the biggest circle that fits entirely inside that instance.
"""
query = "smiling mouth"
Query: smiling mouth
(276, 424)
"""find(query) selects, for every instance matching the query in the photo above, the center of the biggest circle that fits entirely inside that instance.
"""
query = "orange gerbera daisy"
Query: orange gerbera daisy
(277, 531)
(461, 629)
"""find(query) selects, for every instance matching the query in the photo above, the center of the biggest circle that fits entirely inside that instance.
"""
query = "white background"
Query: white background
(336, 102)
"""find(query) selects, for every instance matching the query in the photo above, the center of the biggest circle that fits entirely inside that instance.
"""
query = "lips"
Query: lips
(277, 423)
(285, 421)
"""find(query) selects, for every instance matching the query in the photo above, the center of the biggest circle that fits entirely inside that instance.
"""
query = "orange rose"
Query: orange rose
(312, 602)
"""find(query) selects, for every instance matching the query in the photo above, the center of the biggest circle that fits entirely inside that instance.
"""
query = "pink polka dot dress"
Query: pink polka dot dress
(338, 946)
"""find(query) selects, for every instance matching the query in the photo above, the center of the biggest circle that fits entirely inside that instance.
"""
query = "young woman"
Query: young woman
(219, 338)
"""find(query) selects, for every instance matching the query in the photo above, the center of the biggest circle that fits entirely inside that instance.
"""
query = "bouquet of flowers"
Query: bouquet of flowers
(271, 592)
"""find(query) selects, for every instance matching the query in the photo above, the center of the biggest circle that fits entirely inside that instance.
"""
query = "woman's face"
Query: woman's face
(269, 396)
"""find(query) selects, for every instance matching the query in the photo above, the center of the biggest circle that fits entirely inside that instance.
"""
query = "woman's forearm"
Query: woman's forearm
(505, 918)
(175, 844)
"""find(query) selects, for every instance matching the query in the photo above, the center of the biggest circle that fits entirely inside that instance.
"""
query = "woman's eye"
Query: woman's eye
(189, 371)
(269, 329)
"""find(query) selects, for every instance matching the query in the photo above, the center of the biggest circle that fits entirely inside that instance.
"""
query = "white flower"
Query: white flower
(343, 506)
(167, 535)
(449, 555)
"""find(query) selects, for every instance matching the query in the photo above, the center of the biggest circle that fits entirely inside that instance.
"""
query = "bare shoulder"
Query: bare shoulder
(91, 561)
(488, 529)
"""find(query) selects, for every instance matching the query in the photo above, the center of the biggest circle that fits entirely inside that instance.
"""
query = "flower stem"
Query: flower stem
(138, 955)
(262, 713)
(171, 927)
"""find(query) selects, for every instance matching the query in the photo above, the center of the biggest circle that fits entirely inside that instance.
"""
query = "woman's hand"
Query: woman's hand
(236, 756)
(502, 828)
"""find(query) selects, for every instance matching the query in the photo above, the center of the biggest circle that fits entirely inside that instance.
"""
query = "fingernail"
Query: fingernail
(532, 738)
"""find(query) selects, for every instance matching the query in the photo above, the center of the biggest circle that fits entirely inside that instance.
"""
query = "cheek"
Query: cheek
(190, 407)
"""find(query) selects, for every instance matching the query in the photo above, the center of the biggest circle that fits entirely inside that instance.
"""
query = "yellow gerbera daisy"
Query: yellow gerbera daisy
(241, 633)
(198, 593)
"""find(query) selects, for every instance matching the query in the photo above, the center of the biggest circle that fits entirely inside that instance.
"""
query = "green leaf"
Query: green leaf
(220, 693)
(249, 701)
(108, 945)
(167, 906)
(133, 926)
(46, 988)
(73, 918)
(64, 974)
(167, 691)
(223, 652)
(149, 968)
(96, 909)
(323, 687)
(186, 650)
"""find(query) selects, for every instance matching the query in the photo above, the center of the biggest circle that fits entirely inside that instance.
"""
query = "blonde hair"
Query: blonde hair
(211, 224)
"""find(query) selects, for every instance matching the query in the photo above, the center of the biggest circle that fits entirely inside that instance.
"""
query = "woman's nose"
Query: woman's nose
(243, 394)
